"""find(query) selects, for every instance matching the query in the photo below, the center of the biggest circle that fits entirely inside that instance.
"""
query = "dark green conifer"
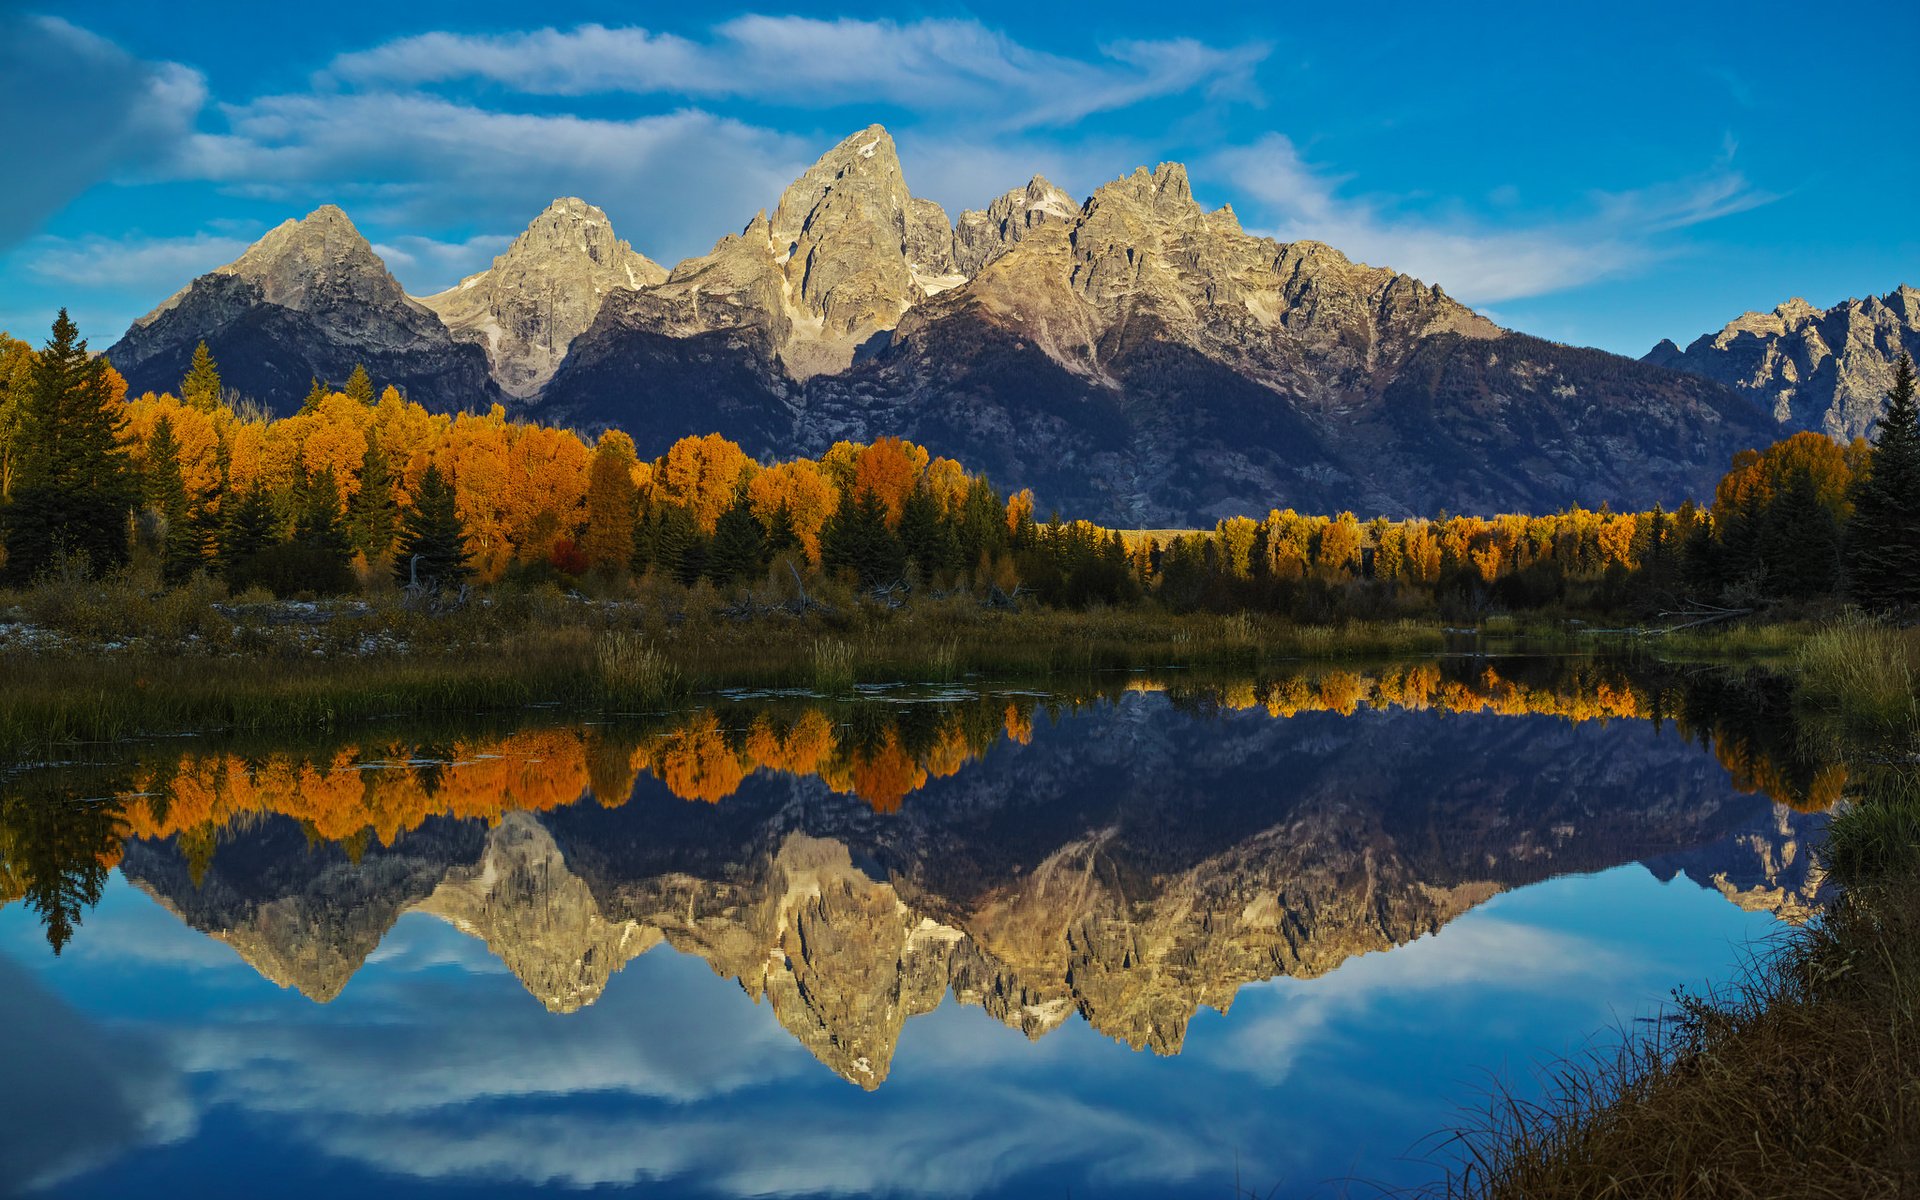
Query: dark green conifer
(373, 514)
(679, 548)
(856, 540)
(781, 535)
(926, 538)
(360, 386)
(739, 546)
(201, 388)
(73, 487)
(316, 392)
(1803, 540)
(321, 533)
(249, 528)
(166, 496)
(433, 543)
(1883, 536)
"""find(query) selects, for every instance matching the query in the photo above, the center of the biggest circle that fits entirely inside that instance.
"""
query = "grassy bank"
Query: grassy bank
(1803, 1077)
(91, 663)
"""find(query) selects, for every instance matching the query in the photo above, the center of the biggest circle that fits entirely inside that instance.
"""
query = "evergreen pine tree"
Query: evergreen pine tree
(321, 533)
(201, 387)
(679, 548)
(373, 514)
(431, 532)
(927, 540)
(739, 546)
(72, 487)
(360, 386)
(247, 530)
(166, 495)
(1883, 536)
(316, 392)
(781, 535)
(1802, 541)
(16, 371)
(856, 540)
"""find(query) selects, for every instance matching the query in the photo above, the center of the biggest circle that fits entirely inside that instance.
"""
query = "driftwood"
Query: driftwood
(427, 595)
(1703, 614)
(997, 598)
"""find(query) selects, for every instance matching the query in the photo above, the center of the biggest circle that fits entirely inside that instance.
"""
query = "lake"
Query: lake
(1144, 936)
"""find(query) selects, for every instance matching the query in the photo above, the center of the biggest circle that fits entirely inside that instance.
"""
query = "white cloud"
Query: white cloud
(132, 261)
(1480, 952)
(661, 178)
(1619, 234)
(925, 65)
(429, 266)
(79, 1093)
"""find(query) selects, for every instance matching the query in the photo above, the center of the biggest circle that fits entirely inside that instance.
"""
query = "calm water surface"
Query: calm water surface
(1128, 942)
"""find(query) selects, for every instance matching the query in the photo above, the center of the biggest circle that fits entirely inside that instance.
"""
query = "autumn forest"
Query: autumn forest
(362, 487)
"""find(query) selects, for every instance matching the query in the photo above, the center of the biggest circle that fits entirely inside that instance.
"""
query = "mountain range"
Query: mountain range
(1135, 358)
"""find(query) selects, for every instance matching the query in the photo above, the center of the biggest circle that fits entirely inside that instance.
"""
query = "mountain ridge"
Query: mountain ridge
(1134, 358)
(1822, 369)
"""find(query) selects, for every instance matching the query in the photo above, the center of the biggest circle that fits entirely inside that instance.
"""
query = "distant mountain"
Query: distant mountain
(1824, 369)
(527, 308)
(310, 300)
(1136, 358)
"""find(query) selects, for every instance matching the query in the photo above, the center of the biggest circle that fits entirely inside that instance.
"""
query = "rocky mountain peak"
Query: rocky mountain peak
(1824, 369)
(318, 262)
(864, 165)
(309, 300)
(544, 291)
(1163, 191)
(980, 237)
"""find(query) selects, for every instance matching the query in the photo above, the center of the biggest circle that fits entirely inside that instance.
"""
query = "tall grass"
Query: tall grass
(1861, 671)
(635, 675)
(832, 667)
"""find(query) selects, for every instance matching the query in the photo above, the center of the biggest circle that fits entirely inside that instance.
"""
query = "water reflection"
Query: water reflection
(1091, 868)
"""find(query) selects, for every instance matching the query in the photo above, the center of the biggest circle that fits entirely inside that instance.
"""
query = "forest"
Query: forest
(363, 491)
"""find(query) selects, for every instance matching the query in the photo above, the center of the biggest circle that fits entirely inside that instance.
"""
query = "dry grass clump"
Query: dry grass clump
(1801, 1081)
(1861, 671)
(832, 667)
(634, 675)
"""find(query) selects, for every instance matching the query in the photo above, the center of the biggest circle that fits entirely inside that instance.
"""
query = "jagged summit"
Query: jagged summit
(309, 300)
(317, 263)
(1824, 369)
(980, 237)
(544, 291)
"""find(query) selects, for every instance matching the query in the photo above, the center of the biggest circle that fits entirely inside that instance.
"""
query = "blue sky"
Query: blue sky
(1607, 176)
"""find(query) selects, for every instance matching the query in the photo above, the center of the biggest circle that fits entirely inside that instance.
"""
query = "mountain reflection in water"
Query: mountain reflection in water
(1131, 853)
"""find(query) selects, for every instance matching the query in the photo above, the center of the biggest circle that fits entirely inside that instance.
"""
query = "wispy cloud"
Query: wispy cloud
(431, 266)
(131, 261)
(933, 65)
(1617, 233)
(440, 163)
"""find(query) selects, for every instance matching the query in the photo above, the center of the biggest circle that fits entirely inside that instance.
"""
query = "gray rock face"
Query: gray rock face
(1146, 362)
(309, 300)
(1823, 369)
(981, 237)
(526, 309)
